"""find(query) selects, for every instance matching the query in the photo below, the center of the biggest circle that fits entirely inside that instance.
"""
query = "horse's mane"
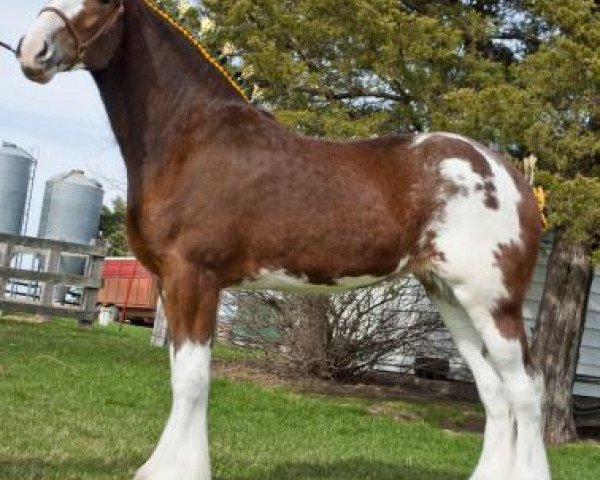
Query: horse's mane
(196, 43)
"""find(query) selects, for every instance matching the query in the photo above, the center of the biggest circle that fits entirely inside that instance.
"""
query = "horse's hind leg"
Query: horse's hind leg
(501, 329)
(522, 383)
(498, 443)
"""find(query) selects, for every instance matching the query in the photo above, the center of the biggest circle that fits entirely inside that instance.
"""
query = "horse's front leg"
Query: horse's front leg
(191, 302)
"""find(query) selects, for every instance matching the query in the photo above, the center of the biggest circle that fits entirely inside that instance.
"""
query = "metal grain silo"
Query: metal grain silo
(71, 213)
(71, 208)
(16, 171)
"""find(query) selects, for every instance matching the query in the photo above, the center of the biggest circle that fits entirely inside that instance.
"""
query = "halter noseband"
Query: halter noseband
(82, 45)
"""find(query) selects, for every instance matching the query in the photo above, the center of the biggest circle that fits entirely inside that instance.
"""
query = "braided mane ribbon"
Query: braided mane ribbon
(154, 6)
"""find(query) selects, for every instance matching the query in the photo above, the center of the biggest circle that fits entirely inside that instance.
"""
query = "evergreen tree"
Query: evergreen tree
(113, 227)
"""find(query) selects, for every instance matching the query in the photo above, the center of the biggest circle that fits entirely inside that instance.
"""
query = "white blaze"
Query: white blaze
(43, 33)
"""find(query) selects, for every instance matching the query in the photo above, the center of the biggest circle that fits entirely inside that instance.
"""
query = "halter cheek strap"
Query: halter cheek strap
(82, 45)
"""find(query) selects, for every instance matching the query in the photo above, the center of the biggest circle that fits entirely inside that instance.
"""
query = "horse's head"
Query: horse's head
(69, 35)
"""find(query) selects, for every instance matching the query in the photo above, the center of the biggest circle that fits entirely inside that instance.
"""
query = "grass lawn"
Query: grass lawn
(90, 404)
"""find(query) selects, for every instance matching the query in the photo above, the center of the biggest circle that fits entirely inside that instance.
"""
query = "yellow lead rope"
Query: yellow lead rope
(540, 196)
(188, 35)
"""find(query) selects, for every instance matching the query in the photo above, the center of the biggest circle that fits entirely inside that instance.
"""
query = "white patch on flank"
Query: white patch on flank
(182, 452)
(469, 233)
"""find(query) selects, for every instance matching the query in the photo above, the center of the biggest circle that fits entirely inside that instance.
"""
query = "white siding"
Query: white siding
(588, 368)
(587, 382)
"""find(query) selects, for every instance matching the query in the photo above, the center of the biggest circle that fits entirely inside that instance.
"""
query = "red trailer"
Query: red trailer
(126, 284)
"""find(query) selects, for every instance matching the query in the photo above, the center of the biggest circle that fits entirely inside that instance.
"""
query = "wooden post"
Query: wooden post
(5, 262)
(160, 333)
(90, 295)
(52, 266)
(47, 296)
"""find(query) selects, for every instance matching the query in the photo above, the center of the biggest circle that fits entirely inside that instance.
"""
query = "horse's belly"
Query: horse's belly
(282, 281)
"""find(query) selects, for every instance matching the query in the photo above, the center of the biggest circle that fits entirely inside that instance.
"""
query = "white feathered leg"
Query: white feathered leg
(182, 452)
(498, 443)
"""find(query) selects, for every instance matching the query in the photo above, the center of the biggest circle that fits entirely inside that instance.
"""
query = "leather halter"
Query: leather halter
(7, 47)
(82, 45)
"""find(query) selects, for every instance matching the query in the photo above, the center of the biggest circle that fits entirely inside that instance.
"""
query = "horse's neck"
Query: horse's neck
(157, 84)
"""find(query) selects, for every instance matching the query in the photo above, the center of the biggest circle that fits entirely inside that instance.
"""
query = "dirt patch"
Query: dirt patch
(377, 386)
(402, 416)
(35, 319)
(401, 398)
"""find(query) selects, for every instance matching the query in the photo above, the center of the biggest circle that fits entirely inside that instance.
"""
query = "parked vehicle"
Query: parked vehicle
(129, 287)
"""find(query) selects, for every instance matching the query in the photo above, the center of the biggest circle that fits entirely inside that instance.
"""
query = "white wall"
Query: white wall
(587, 381)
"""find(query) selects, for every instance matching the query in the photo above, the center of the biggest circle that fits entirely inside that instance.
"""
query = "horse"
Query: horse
(221, 195)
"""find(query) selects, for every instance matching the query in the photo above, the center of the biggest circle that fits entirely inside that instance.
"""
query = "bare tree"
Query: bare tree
(340, 336)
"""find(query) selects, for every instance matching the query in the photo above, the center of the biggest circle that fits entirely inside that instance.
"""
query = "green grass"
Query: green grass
(230, 353)
(90, 404)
